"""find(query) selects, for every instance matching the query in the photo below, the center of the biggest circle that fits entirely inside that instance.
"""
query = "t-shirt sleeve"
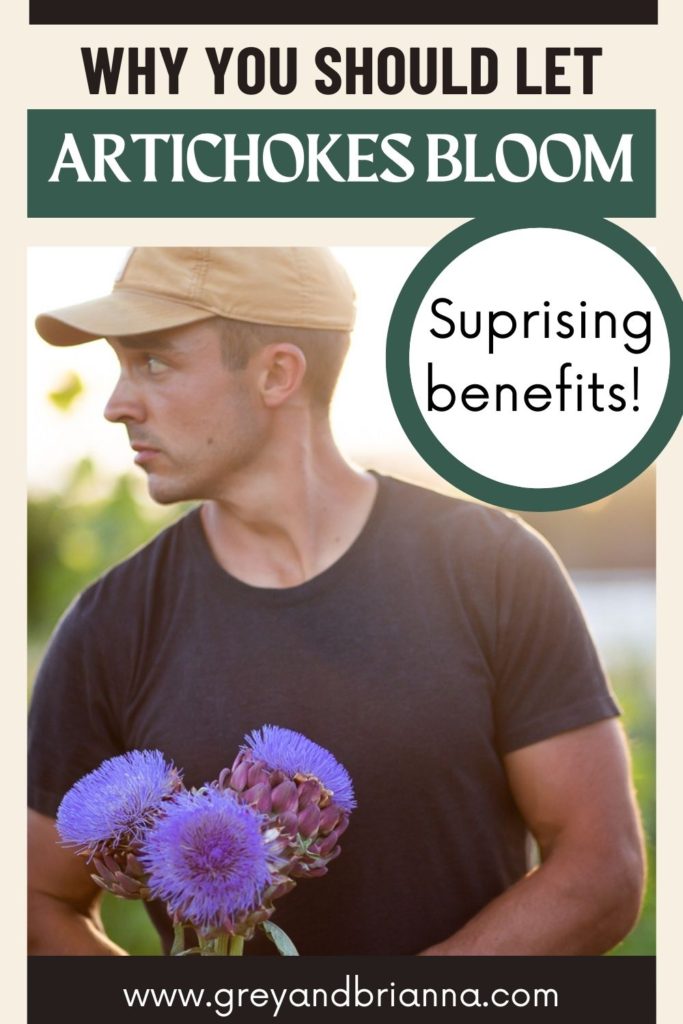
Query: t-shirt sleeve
(549, 677)
(72, 721)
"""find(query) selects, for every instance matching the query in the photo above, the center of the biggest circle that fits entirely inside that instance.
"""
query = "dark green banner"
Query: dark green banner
(340, 163)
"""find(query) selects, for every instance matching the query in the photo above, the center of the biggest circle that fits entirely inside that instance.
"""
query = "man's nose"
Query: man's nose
(125, 404)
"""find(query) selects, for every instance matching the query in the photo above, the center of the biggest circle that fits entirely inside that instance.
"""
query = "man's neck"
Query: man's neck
(291, 517)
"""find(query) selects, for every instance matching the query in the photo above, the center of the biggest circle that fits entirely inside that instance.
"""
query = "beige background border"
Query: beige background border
(41, 67)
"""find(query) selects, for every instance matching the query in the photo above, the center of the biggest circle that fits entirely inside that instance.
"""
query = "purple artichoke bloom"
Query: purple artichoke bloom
(110, 808)
(210, 858)
(296, 755)
(304, 790)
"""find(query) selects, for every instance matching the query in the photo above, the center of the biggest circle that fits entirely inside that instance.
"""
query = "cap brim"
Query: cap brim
(116, 315)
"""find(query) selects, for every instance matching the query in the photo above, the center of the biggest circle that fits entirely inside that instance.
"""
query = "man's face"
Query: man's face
(192, 423)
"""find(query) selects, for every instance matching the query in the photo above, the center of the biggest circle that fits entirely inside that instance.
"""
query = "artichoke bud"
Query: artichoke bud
(289, 822)
(317, 872)
(343, 824)
(281, 890)
(256, 774)
(260, 915)
(284, 797)
(134, 868)
(309, 821)
(258, 796)
(105, 876)
(310, 791)
(325, 845)
(306, 871)
(329, 817)
(129, 887)
(238, 777)
(121, 884)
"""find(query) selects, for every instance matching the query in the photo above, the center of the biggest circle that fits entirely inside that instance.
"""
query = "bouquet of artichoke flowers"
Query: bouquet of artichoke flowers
(219, 856)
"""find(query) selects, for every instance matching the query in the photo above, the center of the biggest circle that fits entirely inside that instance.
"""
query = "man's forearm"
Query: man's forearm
(56, 929)
(567, 907)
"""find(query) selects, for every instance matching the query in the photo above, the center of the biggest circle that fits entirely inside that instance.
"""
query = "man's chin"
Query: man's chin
(166, 492)
(164, 499)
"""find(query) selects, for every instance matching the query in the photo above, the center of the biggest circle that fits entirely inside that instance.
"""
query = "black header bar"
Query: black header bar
(351, 12)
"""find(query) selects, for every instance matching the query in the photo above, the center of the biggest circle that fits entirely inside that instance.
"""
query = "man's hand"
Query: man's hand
(63, 900)
(574, 792)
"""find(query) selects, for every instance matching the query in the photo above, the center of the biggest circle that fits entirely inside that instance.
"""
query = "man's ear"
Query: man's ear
(282, 369)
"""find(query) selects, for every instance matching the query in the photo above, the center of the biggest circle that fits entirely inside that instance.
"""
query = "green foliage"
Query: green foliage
(635, 694)
(127, 923)
(64, 396)
(72, 539)
(285, 946)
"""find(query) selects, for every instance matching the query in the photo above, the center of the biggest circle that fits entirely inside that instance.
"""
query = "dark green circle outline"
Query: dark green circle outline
(537, 499)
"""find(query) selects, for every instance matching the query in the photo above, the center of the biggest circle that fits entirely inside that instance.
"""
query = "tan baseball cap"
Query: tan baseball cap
(162, 288)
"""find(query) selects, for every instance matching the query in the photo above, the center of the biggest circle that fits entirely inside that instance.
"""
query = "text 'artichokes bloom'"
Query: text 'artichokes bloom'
(302, 787)
(114, 804)
(209, 859)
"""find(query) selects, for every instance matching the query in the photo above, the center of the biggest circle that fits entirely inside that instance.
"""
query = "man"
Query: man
(433, 645)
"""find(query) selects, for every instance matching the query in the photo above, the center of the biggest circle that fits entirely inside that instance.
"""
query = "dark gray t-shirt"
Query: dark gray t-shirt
(444, 638)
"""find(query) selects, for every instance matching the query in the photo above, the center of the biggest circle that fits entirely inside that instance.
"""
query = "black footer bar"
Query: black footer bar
(559, 990)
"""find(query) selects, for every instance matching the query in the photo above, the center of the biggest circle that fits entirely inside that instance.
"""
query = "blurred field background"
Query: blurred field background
(87, 511)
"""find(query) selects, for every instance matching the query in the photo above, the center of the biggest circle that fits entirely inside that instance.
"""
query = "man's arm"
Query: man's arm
(63, 901)
(574, 792)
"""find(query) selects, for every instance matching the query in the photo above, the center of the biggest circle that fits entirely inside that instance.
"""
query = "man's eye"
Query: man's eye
(154, 365)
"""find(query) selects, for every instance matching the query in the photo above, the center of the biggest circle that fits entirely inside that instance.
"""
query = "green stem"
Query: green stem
(236, 945)
(178, 940)
(220, 945)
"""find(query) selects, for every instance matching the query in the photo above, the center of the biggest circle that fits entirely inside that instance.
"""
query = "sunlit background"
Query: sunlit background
(88, 505)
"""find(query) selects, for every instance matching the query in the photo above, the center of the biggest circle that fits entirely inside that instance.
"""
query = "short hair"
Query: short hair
(324, 351)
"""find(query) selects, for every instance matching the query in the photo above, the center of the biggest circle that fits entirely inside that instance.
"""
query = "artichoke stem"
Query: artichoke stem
(178, 940)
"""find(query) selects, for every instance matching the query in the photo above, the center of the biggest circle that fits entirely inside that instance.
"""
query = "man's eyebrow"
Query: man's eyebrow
(142, 341)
